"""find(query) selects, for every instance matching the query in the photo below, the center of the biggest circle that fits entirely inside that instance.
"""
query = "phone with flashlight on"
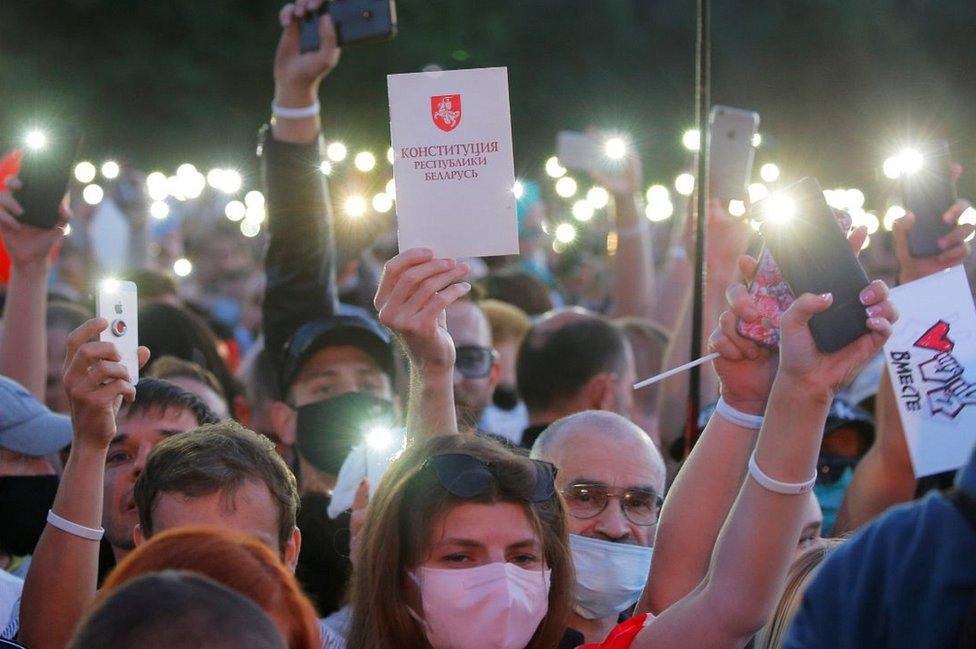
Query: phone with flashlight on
(580, 152)
(47, 157)
(357, 22)
(118, 303)
(928, 193)
(812, 254)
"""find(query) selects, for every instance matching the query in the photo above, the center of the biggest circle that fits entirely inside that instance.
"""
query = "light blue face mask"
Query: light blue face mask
(609, 576)
(830, 497)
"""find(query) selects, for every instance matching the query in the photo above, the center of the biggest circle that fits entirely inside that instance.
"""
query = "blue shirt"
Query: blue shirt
(906, 580)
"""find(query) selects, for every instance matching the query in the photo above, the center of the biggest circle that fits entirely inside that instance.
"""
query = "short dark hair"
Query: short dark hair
(176, 609)
(153, 284)
(554, 364)
(159, 394)
(522, 289)
(169, 367)
(217, 458)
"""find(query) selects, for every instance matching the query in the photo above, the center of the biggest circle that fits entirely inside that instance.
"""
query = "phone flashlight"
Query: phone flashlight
(910, 161)
(110, 285)
(778, 208)
(615, 148)
(378, 437)
(35, 140)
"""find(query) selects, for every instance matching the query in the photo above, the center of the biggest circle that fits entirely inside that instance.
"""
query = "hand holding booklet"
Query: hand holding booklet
(453, 162)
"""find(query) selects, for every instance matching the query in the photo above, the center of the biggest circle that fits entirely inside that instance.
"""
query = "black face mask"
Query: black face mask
(24, 501)
(505, 397)
(328, 430)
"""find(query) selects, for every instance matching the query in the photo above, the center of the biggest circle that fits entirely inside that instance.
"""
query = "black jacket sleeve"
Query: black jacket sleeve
(300, 260)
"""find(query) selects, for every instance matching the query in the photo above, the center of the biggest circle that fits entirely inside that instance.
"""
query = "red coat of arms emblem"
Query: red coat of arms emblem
(445, 110)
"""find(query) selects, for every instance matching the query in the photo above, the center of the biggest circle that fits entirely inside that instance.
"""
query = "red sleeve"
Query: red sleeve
(623, 634)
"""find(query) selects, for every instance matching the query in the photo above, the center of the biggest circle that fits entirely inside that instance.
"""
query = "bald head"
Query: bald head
(603, 448)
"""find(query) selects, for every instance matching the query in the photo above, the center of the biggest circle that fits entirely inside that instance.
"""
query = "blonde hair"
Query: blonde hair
(508, 322)
(802, 572)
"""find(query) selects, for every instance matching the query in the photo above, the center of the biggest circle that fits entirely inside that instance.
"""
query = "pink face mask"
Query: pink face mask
(495, 606)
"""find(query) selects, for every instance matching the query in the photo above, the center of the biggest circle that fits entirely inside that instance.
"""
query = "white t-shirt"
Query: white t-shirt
(10, 589)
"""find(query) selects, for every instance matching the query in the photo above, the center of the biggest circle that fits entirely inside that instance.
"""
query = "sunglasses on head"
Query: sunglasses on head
(465, 476)
(475, 362)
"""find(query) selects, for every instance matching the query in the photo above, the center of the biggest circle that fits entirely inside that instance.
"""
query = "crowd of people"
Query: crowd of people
(372, 449)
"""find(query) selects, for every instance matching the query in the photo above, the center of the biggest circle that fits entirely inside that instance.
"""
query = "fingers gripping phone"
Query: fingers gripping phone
(731, 153)
(814, 257)
(356, 22)
(45, 170)
(771, 294)
(929, 192)
(118, 303)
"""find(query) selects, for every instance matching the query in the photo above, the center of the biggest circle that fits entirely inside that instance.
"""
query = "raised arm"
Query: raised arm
(884, 477)
(23, 345)
(63, 576)
(411, 300)
(300, 260)
(704, 490)
(757, 543)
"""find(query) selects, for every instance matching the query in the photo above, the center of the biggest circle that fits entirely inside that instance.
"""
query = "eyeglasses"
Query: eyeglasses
(465, 476)
(640, 506)
(475, 362)
(830, 468)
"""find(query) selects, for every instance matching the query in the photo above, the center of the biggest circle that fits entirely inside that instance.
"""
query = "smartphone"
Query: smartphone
(45, 171)
(928, 194)
(814, 257)
(580, 152)
(772, 295)
(731, 153)
(356, 22)
(118, 303)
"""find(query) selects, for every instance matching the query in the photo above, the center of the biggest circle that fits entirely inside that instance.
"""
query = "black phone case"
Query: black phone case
(46, 174)
(356, 22)
(928, 194)
(814, 257)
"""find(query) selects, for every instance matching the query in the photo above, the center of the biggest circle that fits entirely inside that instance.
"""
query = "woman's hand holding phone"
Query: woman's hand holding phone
(27, 246)
(954, 245)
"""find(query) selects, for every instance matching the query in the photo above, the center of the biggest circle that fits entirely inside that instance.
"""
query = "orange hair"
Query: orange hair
(240, 562)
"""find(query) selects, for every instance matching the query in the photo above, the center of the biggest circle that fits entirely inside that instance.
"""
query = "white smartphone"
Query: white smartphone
(118, 302)
(580, 152)
(731, 153)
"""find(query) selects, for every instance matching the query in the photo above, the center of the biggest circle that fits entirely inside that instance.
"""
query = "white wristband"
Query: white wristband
(74, 529)
(296, 113)
(737, 417)
(787, 488)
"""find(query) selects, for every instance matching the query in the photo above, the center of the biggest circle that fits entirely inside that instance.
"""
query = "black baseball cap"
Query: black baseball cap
(354, 330)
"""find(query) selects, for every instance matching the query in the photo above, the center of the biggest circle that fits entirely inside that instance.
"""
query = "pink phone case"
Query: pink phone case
(772, 295)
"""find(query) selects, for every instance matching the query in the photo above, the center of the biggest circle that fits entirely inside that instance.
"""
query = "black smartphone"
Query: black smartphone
(814, 257)
(928, 193)
(45, 171)
(356, 22)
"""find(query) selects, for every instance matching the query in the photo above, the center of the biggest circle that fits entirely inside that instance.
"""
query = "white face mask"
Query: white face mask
(609, 576)
(495, 606)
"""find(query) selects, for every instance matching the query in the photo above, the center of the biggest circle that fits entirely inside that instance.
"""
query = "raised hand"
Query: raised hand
(414, 292)
(954, 246)
(97, 383)
(297, 75)
(26, 244)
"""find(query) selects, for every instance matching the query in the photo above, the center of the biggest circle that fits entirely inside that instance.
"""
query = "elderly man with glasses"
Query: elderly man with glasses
(612, 478)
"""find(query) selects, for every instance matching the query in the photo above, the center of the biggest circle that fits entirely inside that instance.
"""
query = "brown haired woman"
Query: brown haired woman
(464, 546)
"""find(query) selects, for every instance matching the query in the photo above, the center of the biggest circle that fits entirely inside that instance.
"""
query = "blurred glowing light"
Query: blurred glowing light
(391, 188)
(892, 168)
(85, 172)
(156, 184)
(110, 169)
(598, 197)
(894, 213)
(968, 217)
(182, 267)
(389, 155)
(871, 221)
(325, 167)
(254, 198)
(355, 206)
(93, 194)
(769, 172)
(757, 192)
(757, 140)
(255, 214)
(565, 233)
(659, 211)
(67, 229)
(737, 208)
(910, 161)
(186, 169)
(854, 198)
(778, 208)
(336, 151)
(382, 203)
(174, 188)
(227, 181)
(159, 210)
(566, 187)
(235, 210)
(582, 211)
(110, 285)
(379, 438)
(615, 148)
(518, 190)
(867, 242)
(691, 139)
(657, 194)
(250, 228)
(684, 184)
(365, 161)
(36, 140)
(554, 169)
